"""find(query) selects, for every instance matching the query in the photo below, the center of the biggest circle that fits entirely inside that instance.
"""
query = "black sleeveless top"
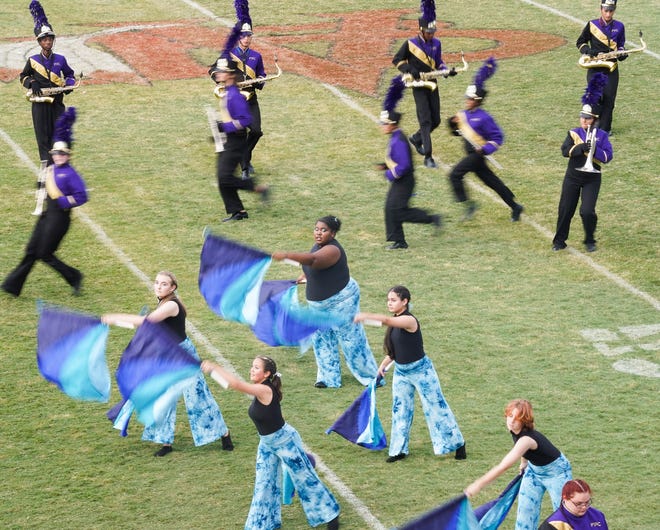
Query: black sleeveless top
(324, 283)
(177, 324)
(267, 418)
(544, 454)
(407, 347)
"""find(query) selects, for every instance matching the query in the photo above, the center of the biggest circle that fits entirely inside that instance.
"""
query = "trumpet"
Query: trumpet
(48, 92)
(589, 164)
(426, 78)
(603, 60)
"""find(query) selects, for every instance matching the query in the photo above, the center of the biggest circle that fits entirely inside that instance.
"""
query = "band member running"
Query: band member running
(604, 35)
(45, 70)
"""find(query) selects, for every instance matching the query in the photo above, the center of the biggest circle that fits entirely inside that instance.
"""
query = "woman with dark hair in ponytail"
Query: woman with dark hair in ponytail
(280, 446)
(413, 371)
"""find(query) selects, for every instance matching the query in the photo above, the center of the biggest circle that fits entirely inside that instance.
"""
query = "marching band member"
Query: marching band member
(423, 53)
(65, 190)
(604, 35)
(482, 138)
(579, 179)
(43, 70)
(251, 65)
(400, 172)
(575, 511)
(235, 120)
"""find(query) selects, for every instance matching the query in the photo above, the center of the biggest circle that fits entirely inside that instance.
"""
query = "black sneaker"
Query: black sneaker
(236, 216)
(397, 245)
(76, 287)
(516, 211)
(558, 246)
(227, 444)
(460, 453)
(395, 458)
(320, 384)
(334, 524)
(591, 247)
(166, 449)
(430, 163)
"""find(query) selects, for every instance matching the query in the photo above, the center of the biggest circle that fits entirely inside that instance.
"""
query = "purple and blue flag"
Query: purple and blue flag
(230, 278)
(153, 372)
(360, 423)
(456, 514)
(71, 353)
(492, 514)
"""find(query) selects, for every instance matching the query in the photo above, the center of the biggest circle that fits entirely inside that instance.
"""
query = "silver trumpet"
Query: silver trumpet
(589, 164)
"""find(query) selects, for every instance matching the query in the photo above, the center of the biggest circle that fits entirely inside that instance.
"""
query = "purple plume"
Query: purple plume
(231, 41)
(485, 72)
(428, 10)
(394, 93)
(39, 16)
(243, 11)
(64, 127)
(594, 90)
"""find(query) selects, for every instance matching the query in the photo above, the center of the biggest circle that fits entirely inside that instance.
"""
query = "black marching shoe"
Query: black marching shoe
(227, 444)
(397, 245)
(320, 384)
(430, 163)
(417, 144)
(395, 458)
(516, 211)
(76, 287)
(166, 449)
(334, 524)
(556, 247)
(460, 453)
(591, 247)
(236, 216)
(471, 208)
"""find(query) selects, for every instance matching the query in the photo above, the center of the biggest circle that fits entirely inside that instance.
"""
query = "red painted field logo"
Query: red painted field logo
(351, 50)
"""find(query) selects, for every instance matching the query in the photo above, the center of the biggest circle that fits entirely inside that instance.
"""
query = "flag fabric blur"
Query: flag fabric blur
(492, 514)
(282, 321)
(71, 353)
(456, 514)
(360, 423)
(230, 278)
(153, 372)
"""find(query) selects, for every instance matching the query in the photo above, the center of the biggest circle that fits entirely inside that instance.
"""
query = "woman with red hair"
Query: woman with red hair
(575, 512)
(543, 465)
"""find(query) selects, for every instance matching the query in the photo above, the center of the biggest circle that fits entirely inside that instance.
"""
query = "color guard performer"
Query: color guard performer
(604, 35)
(423, 53)
(586, 147)
(65, 190)
(45, 70)
(482, 138)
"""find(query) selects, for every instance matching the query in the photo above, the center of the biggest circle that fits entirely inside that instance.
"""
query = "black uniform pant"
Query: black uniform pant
(476, 163)
(46, 237)
(427, 103)
(44, 116)
(587, 184)
(609, 96)
(255, 132)
(228, 183)
(398, 212)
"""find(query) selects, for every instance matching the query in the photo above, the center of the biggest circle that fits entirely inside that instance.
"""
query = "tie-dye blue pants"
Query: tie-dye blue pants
(206, 422)
(352, 338)
(285, 448)
(421, 376)
(535, 481)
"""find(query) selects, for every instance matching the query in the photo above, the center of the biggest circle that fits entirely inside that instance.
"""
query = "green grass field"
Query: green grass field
(503, 316)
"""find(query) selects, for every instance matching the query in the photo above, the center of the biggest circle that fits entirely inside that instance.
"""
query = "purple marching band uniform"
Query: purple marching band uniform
(235, 118)
(416, 56)
(547, 469)
(576, 182)
(206, 422)
(400, 172)
(599, 37)
(44, 72)
(280, 446)
(65, 190)
(414, 372)
(562, 519)
(251, 65)
(334, 291)
(478, 126)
